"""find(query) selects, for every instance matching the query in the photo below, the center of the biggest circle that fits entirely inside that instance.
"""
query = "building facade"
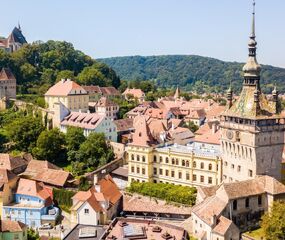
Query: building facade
(70, 94)
(32, 205)
(252, 127)
(14, 42)
(13, 230)
(106, 107)
(8, 85)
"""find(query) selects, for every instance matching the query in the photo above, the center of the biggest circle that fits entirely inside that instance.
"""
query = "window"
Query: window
(187, 176)
(194, 177)
(160, 171)
(250, 173)
(143, 170)
(154, 171)
(180, 175)
(235, 205)
(132, 157)
(172, 173)
(132, 169)
(226, 164)
(160, 159)
(138, 157)
(177, 161)
(202, 165)
(143, 158)
(187, 163)
(138, 170)
(247, 202)
(201, 178)
(166, 173)
(166, 160)
(172, 161)
(183, 163)
(194, 164)
(233, 166)
(86, 211)
(154, 158)
(31, 213)
(16, 236)
(210, 167)
(260, 200)
(210, 180)
(238, 168)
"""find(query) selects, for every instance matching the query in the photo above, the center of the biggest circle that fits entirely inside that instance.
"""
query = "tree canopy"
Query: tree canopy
(42, 63)
(200, 74)
(273, 223)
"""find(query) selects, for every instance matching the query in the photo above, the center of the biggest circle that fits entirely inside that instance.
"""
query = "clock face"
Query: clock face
(230, 134)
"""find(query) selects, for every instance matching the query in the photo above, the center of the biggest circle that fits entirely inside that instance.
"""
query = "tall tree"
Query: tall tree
(74, 137)
(50, 146)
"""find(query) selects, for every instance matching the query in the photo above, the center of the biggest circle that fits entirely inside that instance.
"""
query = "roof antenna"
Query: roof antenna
(19, 26)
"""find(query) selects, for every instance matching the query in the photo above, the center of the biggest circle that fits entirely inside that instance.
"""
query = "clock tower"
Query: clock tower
(252, 127)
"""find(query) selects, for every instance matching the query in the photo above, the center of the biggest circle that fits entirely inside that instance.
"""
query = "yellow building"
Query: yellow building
(8, 182)
(196, 164)
(70, 94)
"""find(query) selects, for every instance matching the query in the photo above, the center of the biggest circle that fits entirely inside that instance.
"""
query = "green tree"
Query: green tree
(191, 126)
(94, 151)
(273, 222)
(50, 146)
(91, 76)
(24, 132)
(74, 137)
(65, 74)
(33, 235)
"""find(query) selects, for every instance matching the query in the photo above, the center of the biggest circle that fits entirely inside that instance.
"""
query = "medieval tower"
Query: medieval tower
(252, 127)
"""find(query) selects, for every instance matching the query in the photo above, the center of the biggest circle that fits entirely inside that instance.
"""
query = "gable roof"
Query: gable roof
(6, 74)
(11, 226)
(34, 189)
(11, 163)
(223, 226)
(125, 124)
(105, 102)
(110, 189)
(46, 172)
(137, 93)
(17, 36)
(65, 87)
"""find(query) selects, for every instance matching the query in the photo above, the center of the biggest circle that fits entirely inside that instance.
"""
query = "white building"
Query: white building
(90, 122)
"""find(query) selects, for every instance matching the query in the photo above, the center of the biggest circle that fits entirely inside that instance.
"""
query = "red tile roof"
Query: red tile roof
(11, 163)
(12, 226)
(137, 93)
(65, 88)
(6, 74)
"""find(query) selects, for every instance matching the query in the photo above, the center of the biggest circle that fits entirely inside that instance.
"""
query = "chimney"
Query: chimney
(95, 179)
(62, 80)
(97, 187)
(214, 220)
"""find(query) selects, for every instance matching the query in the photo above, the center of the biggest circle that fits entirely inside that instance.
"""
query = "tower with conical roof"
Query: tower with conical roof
(252, 127)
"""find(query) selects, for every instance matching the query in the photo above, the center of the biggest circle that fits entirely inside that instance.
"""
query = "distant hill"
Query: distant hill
(191, 72)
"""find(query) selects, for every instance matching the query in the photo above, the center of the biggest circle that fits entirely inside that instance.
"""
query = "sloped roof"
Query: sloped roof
(6, 74)
(46, 172)
(64, 88)
(11, 226)
(223, 226)
(83, 120)
(109, 189)
(137, 93)
(17, 36)
(208, 133)
(11, 163)
(124, 124)
(35, 189)
(105, 102)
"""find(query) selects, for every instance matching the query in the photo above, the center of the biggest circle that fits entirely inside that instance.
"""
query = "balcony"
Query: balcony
(53, 214)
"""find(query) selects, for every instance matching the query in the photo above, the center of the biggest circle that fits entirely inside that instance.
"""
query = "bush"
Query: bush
(63, 196)
(168, 192)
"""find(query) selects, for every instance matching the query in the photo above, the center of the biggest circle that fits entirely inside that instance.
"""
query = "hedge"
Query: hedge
(168, 192)
(63, 196)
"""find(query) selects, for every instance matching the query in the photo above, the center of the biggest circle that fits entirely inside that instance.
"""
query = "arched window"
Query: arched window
(210, 167)
(160, 159)
(177, 161)
(173, 161)
(187, 163)
(235, 205)
(154, 158)
(132, 157)
(166, 160)
(183, 163)
(138, 157)
(202, 165)
(143, 158)
(194, 164)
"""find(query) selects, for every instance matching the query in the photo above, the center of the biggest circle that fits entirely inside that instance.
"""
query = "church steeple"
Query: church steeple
(252, 69)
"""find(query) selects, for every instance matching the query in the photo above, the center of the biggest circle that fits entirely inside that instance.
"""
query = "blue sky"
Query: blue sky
(106, 28)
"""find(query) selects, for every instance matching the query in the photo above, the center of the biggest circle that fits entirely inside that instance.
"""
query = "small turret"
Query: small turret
(230, 96)
(275, 95)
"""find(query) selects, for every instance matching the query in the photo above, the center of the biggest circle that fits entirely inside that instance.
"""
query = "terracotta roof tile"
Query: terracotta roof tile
(223, 225)
(65, 88)
(11, 163)
(137, 93)
(11, 226)
(6, 74)
(110, 189)
(124, 124)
